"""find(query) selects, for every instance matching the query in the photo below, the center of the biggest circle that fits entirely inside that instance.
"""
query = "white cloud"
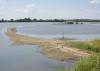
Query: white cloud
(95, 1)
(94, 7)
(27, 9)
(92, 11)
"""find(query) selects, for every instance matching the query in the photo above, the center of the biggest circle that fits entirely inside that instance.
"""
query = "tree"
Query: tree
(11, 20)
(35, 20)
(2, 20)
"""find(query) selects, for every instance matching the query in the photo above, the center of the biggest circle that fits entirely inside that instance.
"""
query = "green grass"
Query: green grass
(92, 45)
(79, 45)
(87, 64)
(91, 63)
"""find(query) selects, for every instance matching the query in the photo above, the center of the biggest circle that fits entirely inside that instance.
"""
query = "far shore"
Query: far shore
(52, 48)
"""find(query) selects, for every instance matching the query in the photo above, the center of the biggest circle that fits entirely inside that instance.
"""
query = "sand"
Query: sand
(51, 48)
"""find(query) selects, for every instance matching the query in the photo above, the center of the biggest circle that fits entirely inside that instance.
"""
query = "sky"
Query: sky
(50, 9)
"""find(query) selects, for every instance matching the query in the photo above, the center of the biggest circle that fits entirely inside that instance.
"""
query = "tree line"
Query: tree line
(32, 20)
(84, 20)
(49, 20)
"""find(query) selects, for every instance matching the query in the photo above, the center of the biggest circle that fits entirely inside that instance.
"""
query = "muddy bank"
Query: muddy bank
(57, 54)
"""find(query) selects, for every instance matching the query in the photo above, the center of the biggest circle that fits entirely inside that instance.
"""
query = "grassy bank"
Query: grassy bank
(92, 45)
(87, 64)
(91, 63)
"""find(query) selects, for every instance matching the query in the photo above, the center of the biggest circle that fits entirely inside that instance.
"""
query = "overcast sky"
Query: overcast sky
(46, 9)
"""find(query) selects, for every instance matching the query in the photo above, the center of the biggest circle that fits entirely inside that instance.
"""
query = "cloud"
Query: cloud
(94, 7)
(26, 9)
(92, 11)
(95, 1)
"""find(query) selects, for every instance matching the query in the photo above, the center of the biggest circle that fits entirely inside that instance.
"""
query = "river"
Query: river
(28, 57)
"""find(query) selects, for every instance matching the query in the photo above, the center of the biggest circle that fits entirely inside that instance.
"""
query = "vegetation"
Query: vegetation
(77, 44)
(33, 20)
(50, 20)
(87, 64)
(91, 63)
(92, 45)
(84, 20)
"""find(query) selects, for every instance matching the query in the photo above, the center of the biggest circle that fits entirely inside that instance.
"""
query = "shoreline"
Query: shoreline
(51, 48)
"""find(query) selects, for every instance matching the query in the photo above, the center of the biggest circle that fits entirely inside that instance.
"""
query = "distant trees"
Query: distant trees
(34, 20)
(23, 20)
(12, 20)
(83, 20)
(49, 20)
(39, 20)
(2, 20)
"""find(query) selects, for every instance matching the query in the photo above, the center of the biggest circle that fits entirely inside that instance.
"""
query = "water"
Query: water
(28, 57)
(54, 30)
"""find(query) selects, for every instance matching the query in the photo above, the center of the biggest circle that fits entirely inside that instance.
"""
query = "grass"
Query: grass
(87, 64)
(91, 63)
(79, 45)
(92, 45)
